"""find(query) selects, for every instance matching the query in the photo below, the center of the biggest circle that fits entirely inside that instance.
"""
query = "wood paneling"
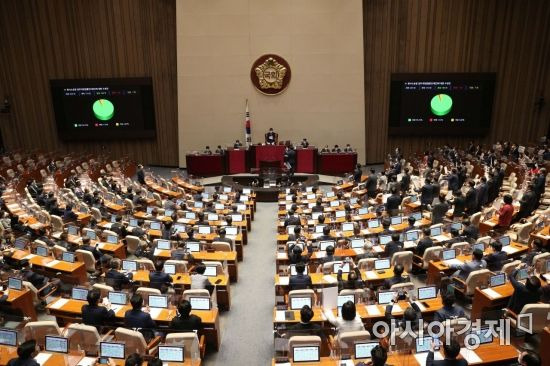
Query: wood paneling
(56, 39)
(509, 37)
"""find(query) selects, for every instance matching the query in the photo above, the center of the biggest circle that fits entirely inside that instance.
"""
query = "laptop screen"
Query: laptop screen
(168, 212)
(340, 266)
(20, 243)
(42, 251)
(237, 217)
(305, 354)
(15, 283)
(373, 224)
(448, 254)
(428, 292)
(117, 298)
(158, 301)
(435, 231)
(296, 303)
(342, 299)
(498, 280)
(111, 350)
(323, 245)
(8, 337)
(456, 226)
(483, 334)
(382, 264)
(163, 244)
(68, 257)
(384, 239)
(363, 349)
(347, 226)
(211, 271)
(79, 293)
(357, 243)
(423, 344)
(171, 354)
(219, 206)
(385, 297)
(129, 265)
(170, 268)
(200, 303)
(150, 209)
(293, 270)
(329, 194)
(198, 204)
(57, 344)
(412, 235)
(193, 246)
(504, 240)
(523, 273)
(223, 197)
(190, 215)
(334, 203)
(113, 219)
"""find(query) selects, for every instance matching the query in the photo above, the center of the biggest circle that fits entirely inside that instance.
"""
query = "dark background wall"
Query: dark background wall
(56, 39)
(511, 38)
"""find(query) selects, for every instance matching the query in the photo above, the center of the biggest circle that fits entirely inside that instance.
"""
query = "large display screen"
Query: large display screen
(441, 104)
(100, 109)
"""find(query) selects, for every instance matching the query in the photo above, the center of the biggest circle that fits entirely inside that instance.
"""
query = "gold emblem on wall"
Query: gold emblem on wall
(270, 74)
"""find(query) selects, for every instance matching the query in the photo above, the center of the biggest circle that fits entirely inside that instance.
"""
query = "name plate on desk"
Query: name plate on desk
(373, 310)
(59, 303)
(283, 280)
(52, 263)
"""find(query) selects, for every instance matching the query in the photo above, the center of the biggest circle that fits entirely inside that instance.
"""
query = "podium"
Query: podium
(337, 163)
(305, 159)
(269, 153)
(236, 161)
(205, 165)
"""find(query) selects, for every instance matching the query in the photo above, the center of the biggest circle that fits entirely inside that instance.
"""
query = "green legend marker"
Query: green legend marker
(104, 110)
(441, 104)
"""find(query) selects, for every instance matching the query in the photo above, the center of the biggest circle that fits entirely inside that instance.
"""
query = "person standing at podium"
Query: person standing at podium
(270, 137)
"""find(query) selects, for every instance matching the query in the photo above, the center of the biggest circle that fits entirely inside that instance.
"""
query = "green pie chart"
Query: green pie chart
(441, 104)
(104, 110)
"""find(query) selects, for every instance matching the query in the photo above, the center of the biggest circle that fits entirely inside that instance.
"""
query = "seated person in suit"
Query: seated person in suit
(496, 259)
(300, 281)
(348, 149)
(115, 278)
(536, 249)
(24, 355)
(68, 214)
(329, 257)
(136, 360)
(136, 318)
(27, 274)
(393, 246)
(529, 358)
(292, 219)
(378, 356)
(118, 227)
(158, 279)
(305, 325)
(424, 243)
(325, 149)
(86, 245)
(221, 237)
(336, 149)
(523, 294)
(270, 137)
(219, 150)
(386, 223)
(397, 277)
(470, 231)
(207, 151)
(237, 144)
(295, 254)
(455, 238)
(353, 281)
(185, 321)
(93, 314)
(451, 350)
(179, 252)
(198, 279)
(477, 262)
(449, 309)
(318, 206)
(326, 234)
(411, 221)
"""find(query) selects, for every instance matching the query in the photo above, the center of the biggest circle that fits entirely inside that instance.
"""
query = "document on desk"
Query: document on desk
(421, 357)
(41, 358)
(320, 254)
(52, 263)
(280, 316)
(509, 249)
(283, 280)
(329, 279)
(440, 238)
(371, 275)
(359, 251)
(29, 256)
(157, 252)
(116, 308)
(491, 293)
(373, 310)
(155, 312)
(456, 262)
(59, 303)
(396, 309)
(282, 256)
(470, 356)
(87, 361)
(378, 249)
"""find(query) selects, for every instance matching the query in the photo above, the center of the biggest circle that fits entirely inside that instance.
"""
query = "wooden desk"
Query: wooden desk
(186, 185)
(60, 359)
(70, 272)
(205, 165)
(187, 362)
(22, 301)
(113, 207)
(6, 354)
(322, 280)
(162, 190)
(543, 235)
(71, 312)
(336, 163)
(183, 280)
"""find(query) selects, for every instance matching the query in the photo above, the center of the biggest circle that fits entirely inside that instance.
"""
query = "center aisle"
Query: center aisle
(247, 336)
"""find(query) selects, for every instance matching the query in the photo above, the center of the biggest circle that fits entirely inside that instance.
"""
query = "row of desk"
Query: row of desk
(236, 161)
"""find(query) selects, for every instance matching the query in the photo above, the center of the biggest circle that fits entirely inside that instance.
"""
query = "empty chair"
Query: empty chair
(510, 267)
(521, 232)
(106, 233)
(103, 289)
(146, 264)
(39, 330)
(201, 293)
(135, 343)
(57, 224)
(84, 338)
(404, 258)
(193, 347)
(358, 293)
(405, 286)
(87, 258)
(96, 214)
(539, 261)
(366, 264)
(146, 291)
(58, 251)
(220, 246)
(38, 299)
(347, 340)
(475, 219)
(475, 279)
(181, 266)
(132, 243)
(430, 254)
(461, 247)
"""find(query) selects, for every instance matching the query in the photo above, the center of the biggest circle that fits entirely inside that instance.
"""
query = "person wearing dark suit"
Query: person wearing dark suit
(539, 183)
(449, 309)
(439, 210)
(115, 278)
(393, 246)
(453, 181)
(304, 143)
(426, 193)
(492, 193)
(528, 293)
(527, 203)
(36, 279)
(464, 270)
(158, 279)
(405, 181)
(318, 206)
(290, 158)
(329, 257)
(537, 248)
(93, 314)
(482, 194)
(471, 232)
(424, 243)
(221, 237)
(459, 204)
(393, 202)
(118, 227)
(24, 355)
(371, 184)
(270, 137)
(300, 281)
(357, 173)
(305, 326)
(471, 199)
(136, 318)
(87, 246)
(292, 219)
(397, 277)
(353, 281)
(69, 215)
(185, 321)
(179, 252)
(451, 350)
(496, 260)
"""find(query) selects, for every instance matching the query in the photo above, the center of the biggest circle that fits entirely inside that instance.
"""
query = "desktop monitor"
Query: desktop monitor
(112, 239)
(223, 197)
(211, 271)
(193, 246)
(456, 226)
(330, 194)
(199, 303)
(396, 220)
(504, 240)
(310, 196)
(380, 264)
(204, 229)
(129, 266)
(155, 225)
(79, 293)
(435, 231)
(384, 239)
(241, 207)
(523, 273)
(385, 297)
(479, 246)
(134, 222)
(244, 198)
(150, 209)
(219, 206)
(347, 226)
(423, 344)
(305, 354)
(168, 212)
(158, 301)
(190, 215)
(20, 243)
(163, 244)
(363, 211)
(15, 283)
(353, 201)
(342, 299)
(357, 243)
(448, 254)
(498, 280)
(363, 349)
(198, 204)
(323, 245)
(427, 292)
(57, 344)
(373, 224)
(42, 251)
(68, 257)
(72, 230)
(340, 214)
(231, 230)
(412, 235)
(113, 219)
(417, 216)
(293, 270)
(179, 228)
(171, 353)
(341, 266)
(111, 350)
(8, 337)
(334, 203)
(315, 215)
(296, 303)
(169, 269)
(213, 217)
(117, 298)
(319, 229)
(90, 234)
